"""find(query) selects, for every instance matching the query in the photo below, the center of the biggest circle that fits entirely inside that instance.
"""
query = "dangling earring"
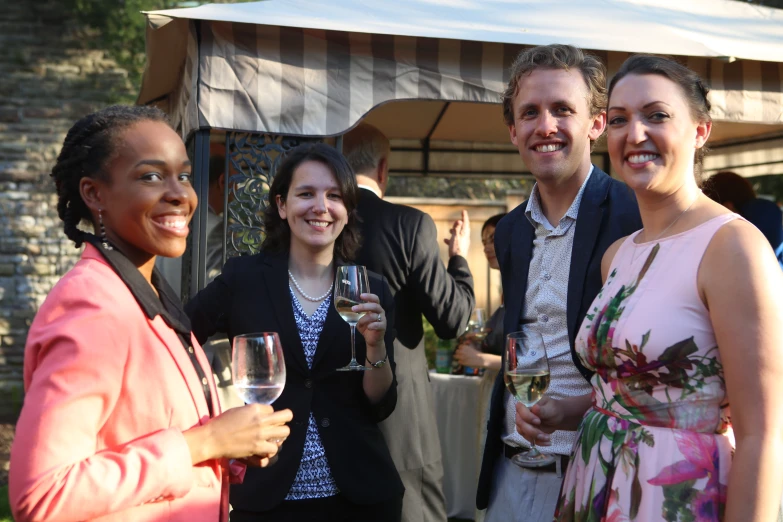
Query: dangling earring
(104, 239)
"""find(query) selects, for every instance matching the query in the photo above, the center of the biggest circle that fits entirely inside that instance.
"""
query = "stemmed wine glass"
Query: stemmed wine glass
(526, 374)
(258, 369)
(349, 283)
(477, 325)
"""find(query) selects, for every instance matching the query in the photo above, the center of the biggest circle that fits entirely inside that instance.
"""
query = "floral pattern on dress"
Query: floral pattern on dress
(651, 447)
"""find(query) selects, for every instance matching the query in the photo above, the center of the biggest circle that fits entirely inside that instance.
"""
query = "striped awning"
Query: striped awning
(320, 82)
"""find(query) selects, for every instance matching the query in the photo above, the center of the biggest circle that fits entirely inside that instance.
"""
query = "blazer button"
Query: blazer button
(325, 422)
(308, 383)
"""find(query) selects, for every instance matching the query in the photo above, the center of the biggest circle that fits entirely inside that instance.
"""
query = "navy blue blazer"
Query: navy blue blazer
(251, 295)
(607, 212)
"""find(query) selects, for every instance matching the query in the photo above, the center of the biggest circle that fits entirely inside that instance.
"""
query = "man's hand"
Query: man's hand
(459, 242)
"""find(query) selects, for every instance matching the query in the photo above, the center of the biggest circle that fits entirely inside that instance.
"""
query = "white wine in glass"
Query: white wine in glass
(526, 374)
(349, 283)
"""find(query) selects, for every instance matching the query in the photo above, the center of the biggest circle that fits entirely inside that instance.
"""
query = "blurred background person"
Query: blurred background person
(729, 189)
(401, 243)
(120, 419)
(336, 465)
(736, 193)
(485, 354)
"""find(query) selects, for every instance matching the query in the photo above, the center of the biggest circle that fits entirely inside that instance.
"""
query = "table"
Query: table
(456, 410)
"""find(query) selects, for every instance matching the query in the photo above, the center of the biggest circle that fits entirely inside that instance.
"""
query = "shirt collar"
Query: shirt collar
(371, 189)
(167, 306)
(535, 213)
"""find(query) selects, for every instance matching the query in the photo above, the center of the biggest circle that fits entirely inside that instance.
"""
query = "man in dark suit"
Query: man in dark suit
(400, 243)
(549, 250)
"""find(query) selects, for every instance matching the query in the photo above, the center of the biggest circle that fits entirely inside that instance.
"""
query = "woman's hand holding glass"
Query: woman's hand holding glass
(372, 325)
(468, 353)
(243, 432)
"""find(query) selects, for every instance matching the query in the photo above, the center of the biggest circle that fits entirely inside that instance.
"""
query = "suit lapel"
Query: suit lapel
(588, 225)
(333, 325)
(170, 339)
(275, 272)
(522, 235)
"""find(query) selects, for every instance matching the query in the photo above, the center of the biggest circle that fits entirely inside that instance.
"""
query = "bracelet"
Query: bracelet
(378, 364)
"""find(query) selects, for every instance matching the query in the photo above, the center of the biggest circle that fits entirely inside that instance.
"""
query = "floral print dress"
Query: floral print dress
(656, 443)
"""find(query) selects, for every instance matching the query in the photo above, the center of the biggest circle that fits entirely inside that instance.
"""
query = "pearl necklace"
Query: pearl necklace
(303, 294)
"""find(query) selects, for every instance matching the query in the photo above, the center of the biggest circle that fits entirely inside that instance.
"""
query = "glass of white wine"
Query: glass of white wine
(477, 326)
(349, 283)
(526, 374)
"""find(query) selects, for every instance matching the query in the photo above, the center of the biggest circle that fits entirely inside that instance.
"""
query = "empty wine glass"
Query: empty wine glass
(258, 367)
(526, 374)
(349, 283)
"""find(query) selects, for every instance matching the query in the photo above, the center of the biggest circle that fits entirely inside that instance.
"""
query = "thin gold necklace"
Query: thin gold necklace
(656, 238)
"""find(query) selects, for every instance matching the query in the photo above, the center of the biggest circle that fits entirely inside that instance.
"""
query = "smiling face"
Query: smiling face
(488, 240)
(552, 126)
(313, 208)
(147, 199)
(652, 134)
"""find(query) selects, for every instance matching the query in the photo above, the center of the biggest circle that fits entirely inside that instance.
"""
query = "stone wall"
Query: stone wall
(48, 79)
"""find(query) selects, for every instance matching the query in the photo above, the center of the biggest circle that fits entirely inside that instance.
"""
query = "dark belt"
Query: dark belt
(510, 451)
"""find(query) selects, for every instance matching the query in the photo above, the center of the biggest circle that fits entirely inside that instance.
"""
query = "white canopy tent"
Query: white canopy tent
(429, 73)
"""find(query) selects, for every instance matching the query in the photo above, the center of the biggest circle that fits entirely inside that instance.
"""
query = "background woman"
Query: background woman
(688, 320)
(336, 465)
(487, 353)
(120, 418)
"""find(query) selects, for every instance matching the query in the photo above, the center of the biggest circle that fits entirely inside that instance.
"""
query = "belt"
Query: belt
(510, 451)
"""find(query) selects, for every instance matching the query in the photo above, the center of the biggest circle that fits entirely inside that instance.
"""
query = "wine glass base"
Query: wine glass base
(354, 368)
(529, 460)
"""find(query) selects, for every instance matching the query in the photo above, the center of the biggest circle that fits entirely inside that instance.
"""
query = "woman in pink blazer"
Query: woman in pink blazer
(121, 420)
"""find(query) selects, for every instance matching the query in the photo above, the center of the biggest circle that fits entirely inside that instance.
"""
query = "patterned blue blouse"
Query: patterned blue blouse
(314, 478)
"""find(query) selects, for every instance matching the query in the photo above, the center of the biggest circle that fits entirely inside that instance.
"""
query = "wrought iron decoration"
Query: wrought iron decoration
(254, 160)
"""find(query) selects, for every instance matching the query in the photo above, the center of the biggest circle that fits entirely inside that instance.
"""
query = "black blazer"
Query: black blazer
(607, 212)
(402, 244)
(251, 295)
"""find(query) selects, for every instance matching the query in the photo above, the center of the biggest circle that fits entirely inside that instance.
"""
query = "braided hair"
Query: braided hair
(88, 145)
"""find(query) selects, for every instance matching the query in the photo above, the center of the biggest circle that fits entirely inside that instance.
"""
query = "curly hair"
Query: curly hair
(557, 57)
(87, 148)
(278, 233)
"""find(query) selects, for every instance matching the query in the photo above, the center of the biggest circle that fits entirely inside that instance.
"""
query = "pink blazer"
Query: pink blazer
(108, 394)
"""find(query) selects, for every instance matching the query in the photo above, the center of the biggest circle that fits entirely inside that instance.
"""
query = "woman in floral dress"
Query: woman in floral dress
(688, 319)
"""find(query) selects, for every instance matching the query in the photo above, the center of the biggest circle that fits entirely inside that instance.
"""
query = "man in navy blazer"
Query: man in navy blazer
(549, 250)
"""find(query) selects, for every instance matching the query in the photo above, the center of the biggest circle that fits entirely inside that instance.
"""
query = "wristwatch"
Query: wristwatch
(379, 364)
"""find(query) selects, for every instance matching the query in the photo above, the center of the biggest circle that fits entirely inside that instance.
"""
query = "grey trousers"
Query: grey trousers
(520, 494)
(423, 500)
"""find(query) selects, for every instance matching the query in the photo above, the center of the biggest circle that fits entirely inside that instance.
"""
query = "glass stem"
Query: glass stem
(533, 450)
(353, 344)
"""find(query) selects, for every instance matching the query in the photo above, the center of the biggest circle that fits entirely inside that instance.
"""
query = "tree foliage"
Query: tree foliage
(117, 27)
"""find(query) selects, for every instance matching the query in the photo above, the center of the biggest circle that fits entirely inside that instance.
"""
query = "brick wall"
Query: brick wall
(48, 79)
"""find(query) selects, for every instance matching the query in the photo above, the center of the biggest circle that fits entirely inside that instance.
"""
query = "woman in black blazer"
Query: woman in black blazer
(335, 465)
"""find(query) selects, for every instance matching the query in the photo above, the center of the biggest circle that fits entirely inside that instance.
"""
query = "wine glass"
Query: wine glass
(477, 325)
(349, 283)
(258, 367)
(526, 374)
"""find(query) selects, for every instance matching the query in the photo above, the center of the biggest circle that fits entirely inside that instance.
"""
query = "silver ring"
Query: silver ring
(378, 319)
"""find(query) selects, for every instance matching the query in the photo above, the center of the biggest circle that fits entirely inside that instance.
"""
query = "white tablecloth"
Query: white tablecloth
(456, 409)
